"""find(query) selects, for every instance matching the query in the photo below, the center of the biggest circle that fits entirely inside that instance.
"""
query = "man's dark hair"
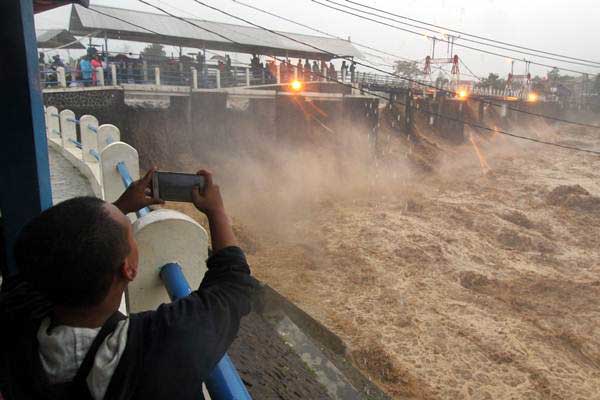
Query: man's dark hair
(72, 251)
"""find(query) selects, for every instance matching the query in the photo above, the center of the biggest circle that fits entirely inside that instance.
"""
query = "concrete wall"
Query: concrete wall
(213, 121)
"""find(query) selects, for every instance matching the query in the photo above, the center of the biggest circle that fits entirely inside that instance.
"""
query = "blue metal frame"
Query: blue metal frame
(224, 383)
(24, 170)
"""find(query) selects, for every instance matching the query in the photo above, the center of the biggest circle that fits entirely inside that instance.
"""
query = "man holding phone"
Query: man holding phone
(62, 335)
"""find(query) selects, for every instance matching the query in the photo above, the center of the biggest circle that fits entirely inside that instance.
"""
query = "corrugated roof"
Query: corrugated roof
(179, 33)
(57, 38)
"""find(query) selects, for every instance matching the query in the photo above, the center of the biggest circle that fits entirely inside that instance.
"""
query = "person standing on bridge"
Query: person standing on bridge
(85, 69)
(62, 335)
(307, 70)
(96, 64)
(315, 71)
(332, 72)
(299, 70)
(353, 72)
(344, 70)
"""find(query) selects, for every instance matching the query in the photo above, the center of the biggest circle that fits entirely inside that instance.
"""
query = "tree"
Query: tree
(154, 52)
(409, 69)
(554, 75)
(493, 81)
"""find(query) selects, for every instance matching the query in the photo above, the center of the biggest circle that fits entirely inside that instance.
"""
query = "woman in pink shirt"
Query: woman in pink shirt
(95, 64)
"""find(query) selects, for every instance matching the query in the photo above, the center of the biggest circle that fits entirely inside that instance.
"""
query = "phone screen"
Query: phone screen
(175, 186)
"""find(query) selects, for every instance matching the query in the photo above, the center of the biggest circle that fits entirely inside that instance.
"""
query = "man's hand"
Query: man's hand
(137, 195)
(208, 198)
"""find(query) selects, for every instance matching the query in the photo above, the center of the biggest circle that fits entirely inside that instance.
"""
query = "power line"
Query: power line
(370, 66)
(320, 31)
(463, 38)
(337, 37)
(396, 102)
(446, 41)
(471, 35)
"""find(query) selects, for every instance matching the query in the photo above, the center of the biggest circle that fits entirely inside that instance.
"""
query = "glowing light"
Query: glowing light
(532, 97)
(296, 85)
(463, 94)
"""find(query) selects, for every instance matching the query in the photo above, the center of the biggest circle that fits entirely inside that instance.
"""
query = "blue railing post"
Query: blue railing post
(127, 180)
(224, 383)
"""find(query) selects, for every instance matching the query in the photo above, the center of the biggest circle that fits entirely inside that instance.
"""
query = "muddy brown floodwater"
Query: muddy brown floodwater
(479, 280)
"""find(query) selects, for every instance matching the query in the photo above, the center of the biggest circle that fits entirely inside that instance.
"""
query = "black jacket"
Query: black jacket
(169, 351)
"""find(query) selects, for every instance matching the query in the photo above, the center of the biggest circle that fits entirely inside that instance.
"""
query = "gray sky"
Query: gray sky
(567, 27)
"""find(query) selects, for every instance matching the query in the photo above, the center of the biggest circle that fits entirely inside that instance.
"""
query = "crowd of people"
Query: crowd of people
(83, 72)
(176, 71)
(317, 71)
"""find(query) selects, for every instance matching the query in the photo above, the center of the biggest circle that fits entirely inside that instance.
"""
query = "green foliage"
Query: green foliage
(154, 52)
(493, 81)
(407, 68)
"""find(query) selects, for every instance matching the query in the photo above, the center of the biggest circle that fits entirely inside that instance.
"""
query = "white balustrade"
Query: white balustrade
(157, 76)
(99, 76)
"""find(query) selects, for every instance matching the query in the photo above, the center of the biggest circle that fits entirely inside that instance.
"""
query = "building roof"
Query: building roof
(57, 38)
(245, 39)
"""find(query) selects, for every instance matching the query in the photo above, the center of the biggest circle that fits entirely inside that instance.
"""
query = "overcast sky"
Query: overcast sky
(567, 27)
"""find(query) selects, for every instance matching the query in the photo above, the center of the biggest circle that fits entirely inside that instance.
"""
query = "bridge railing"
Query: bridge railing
(111, 165)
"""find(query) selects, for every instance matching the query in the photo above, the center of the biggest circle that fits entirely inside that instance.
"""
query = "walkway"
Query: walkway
(67, 182)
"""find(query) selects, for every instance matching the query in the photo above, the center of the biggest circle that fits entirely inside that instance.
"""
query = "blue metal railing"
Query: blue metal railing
(224, 383)
(95, 154)
(127, 180)
(76, 143)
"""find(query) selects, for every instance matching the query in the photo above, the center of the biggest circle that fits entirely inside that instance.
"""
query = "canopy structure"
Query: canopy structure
(160, 28)
(57, 39)
(45, 5)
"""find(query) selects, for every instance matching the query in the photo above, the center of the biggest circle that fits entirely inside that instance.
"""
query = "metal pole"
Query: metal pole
(127, 181)
(24, 170)
(224, 383)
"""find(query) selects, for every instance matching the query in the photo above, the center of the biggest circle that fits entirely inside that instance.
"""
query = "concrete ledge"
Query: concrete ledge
(81, 89)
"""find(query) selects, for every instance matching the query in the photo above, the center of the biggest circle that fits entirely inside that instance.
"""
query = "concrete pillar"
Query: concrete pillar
(295, 73)
(247, 76)
(88, 126)
(107, 134)
(344, 75)
(99, 76)
(110, 156)
(113, 74)
(504, 110)
(187, 246)
(408, 112)
(68, 128)
(218, 76)
(62, 78)
(194, 78)
(53, 122)
(157, 76)
(481, 111)
(145, 70)
(278, 73)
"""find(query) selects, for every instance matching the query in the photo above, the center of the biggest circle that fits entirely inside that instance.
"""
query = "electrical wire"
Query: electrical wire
(322, 32)
(445, 41)
(595, 152)
(463, 38)
(469, 34)
(372, 67)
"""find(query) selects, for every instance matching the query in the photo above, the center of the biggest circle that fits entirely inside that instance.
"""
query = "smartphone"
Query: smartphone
(175, 186)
